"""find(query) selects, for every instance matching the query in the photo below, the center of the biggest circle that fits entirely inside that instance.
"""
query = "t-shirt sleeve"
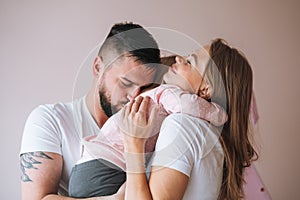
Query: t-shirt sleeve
(41, 131)
(175, 147)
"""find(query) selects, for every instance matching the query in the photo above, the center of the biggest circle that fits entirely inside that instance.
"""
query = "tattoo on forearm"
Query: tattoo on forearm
(28, 161)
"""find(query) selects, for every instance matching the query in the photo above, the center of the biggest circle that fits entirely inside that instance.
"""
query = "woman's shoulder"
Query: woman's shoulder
(193, 131)
(188, 123)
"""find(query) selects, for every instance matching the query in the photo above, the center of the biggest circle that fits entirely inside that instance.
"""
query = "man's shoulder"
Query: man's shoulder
(52, 108)
(59, 109)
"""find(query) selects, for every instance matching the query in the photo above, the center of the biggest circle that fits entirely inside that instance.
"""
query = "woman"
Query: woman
(200, 162)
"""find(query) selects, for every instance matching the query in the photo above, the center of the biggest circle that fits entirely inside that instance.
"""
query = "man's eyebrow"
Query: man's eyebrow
(131, 82)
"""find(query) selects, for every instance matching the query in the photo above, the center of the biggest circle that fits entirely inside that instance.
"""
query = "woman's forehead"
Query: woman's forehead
(202, 50)
(200, 57)
(201, 54)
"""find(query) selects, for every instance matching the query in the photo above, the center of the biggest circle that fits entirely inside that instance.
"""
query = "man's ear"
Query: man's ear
(97, 66)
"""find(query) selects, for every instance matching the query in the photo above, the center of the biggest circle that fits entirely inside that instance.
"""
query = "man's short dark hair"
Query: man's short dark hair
(128, 39)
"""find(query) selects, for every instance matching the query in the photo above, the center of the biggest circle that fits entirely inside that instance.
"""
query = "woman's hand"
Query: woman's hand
(136, 128)
(135, 124)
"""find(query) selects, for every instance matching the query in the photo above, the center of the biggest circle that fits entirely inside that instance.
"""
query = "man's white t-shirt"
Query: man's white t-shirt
(59, 128)
(191, 146)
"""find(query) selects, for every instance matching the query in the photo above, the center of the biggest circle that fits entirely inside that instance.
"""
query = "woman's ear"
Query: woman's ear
(97, 66)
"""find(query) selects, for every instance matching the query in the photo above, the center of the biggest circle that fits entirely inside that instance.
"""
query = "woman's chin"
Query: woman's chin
(165, 79)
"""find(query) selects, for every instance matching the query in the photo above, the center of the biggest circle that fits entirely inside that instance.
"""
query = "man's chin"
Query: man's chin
(117, 108)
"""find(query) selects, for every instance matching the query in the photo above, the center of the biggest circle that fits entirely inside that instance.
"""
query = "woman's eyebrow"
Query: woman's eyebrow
(195, 59)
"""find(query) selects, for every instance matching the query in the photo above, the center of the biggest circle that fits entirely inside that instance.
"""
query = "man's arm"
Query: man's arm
(40, 175)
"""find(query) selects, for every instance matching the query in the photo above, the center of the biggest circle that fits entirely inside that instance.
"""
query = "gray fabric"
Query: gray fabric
(95, 178)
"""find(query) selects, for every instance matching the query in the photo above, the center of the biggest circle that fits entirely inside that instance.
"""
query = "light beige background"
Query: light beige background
(43, 44)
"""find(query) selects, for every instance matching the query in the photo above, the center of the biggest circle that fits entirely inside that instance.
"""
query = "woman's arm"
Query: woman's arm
(167, 183)
(164, 183)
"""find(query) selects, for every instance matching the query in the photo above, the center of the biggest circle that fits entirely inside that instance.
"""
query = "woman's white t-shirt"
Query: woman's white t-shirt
(59, 128)
(191, 146)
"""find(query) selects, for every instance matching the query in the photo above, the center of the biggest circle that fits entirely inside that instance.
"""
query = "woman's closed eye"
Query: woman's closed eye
(189, 59)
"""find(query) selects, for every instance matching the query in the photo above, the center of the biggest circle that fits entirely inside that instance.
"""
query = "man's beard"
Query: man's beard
(105, 103)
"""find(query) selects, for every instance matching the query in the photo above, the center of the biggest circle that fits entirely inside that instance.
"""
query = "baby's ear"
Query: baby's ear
(205, 91)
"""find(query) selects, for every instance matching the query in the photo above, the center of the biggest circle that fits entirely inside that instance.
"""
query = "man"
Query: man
(51, 139)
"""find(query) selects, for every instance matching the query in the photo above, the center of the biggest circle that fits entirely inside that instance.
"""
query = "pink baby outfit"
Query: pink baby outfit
(108, 144)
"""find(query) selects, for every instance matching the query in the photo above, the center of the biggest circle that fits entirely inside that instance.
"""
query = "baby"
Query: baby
(101, 170)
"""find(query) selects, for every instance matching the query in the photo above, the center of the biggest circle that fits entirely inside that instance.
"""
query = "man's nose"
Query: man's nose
(134, 92)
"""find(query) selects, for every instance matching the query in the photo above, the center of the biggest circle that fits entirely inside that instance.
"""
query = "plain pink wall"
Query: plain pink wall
(43, 44)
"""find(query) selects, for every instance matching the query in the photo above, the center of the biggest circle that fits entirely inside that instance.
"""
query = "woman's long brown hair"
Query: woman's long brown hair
(231, 77)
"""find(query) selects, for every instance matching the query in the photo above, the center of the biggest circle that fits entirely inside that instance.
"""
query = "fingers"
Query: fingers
(144, 104)
(135, 120)
(136, 105)
(140, 105)
(128, 107)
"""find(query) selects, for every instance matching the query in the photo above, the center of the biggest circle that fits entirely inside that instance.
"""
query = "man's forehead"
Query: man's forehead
(130, 69)
(140, 74)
